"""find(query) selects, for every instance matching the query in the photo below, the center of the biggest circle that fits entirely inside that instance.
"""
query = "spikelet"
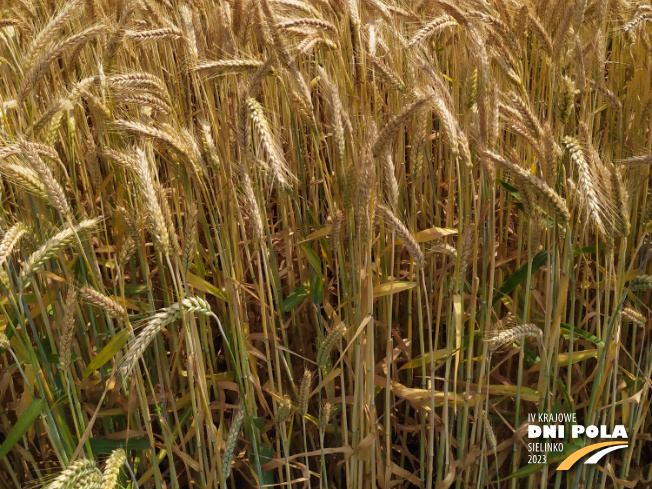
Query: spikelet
(276, 164)
(619, 198)
(190, 239)
(43, 39)
(154, 34)
(465, 255)
(164, 135)
(284, 410)
(24, 177)
(636, 160)
(53, 189)
(430, 29)
(153, 211)
(211, 69)
(566, 96)
(391, 128)
(389, 180)
(10, 239)
(103, 302)
(489, 434)
(472, 89)
(304, 392)
(307, 22)
(231, 440)
(112, 469)
(34, 73)
(67, 330)
(51, 247)
(137, 81)
(294, 4)
(4, 341)
(387, 73)
(399, 228)
(336, 229)
(309, 42)
(328, 344)
(335, 105)
(325, 415)
(641, 282)
(71, 477)
(496, 340)
(586, 182)
(633, 316)
(554, 202)
(364, 174)
(156, 323)
(147, 100)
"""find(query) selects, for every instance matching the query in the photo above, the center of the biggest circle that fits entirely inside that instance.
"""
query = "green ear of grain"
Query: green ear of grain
(108, 352)
(24, 423)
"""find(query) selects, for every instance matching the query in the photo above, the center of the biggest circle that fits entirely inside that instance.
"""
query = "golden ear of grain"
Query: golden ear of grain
(402, 232)
(50, 248)
(388, 132)
(67, 330)
(156, 323)
(10, 240)
(633, 316)
(103, 302)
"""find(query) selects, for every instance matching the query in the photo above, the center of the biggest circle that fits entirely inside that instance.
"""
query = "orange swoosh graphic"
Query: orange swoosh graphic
(571, 459)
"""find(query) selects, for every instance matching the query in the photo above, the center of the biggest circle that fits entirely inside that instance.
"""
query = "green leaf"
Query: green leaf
(258, 423)
(312, 257)
(201, 284)
(296, 297)
(108, 352)
(266, 455)
(513, 191)
(521, 274)
(317, 290)
(24, 423)
(105, 445)
(580, 333)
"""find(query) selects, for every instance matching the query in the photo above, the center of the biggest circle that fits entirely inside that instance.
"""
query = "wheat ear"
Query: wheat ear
(54, 191)
(52, 246)
(633, 316)
(10, 239)
(112, 469)
(67, 330)
(502, 338)
(329, 343)
(156, 323)
(70, 477)
(390, 129)
(103, 302)
(399, 228)
(641, 282)
(231, 440)
(304, 392)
